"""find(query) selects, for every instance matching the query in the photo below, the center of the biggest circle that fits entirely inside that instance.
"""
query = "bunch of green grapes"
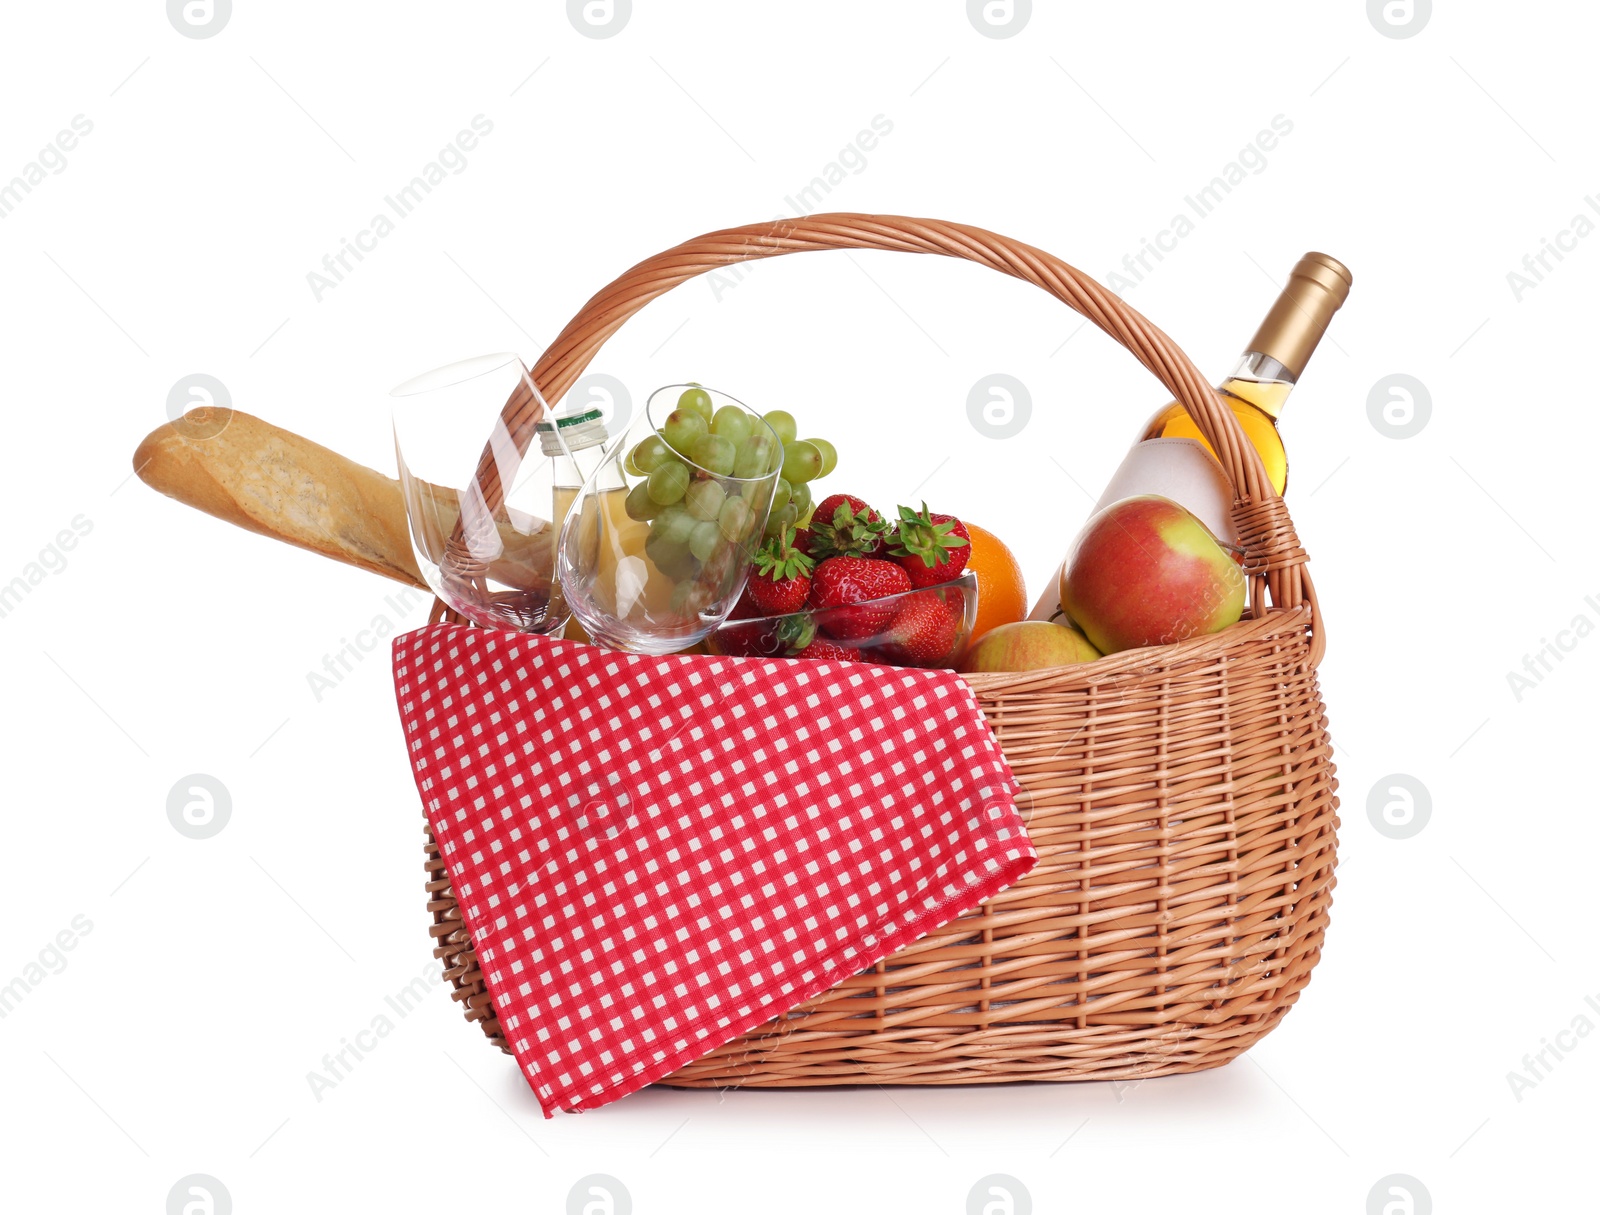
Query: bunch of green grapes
(702, 481)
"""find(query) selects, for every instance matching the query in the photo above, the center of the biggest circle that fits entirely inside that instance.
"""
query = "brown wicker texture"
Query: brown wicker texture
(1181, 798)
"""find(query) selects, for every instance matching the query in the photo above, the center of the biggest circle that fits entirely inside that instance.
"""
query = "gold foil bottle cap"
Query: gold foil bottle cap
(1317, 286)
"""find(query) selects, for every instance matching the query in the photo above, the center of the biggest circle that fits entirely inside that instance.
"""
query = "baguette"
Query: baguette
(275, 483)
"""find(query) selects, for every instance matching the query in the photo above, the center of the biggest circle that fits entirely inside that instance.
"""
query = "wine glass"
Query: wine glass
(657, 547)
(482, 507)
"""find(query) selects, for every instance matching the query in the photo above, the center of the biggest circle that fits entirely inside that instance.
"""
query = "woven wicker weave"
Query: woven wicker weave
(1181, 798)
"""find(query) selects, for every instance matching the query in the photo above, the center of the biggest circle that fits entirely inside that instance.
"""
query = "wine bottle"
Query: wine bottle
(1172, 458)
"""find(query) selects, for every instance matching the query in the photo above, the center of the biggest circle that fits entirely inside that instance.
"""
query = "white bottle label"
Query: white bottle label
(1180, 469)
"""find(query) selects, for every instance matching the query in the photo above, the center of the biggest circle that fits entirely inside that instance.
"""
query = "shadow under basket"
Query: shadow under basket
(1181, 798)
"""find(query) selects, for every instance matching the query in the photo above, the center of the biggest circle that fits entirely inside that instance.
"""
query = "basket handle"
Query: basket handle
(1272, 557)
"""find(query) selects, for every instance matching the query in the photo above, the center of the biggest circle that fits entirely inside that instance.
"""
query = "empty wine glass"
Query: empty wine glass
(657, 547)
(483, 508)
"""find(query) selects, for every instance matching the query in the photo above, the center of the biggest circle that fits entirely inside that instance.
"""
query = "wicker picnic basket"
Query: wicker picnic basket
(1181, 798)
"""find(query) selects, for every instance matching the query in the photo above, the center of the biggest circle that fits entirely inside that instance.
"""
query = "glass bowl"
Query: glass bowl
(926, 627)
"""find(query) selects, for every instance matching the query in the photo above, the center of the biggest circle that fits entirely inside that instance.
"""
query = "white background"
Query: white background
(179, 1034)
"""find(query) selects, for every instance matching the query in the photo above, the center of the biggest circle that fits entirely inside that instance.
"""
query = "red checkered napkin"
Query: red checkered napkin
(655, 855)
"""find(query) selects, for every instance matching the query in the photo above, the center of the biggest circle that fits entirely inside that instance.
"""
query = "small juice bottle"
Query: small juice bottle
(575, 444)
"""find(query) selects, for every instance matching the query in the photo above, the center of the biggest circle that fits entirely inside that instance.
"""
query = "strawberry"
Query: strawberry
(841, 582)
(737, 639)
(829, 505)
(745, 608)
(793, 633)
(781, 579)
(830, 650)
(924, 631)
(930, 548)
(843, 526)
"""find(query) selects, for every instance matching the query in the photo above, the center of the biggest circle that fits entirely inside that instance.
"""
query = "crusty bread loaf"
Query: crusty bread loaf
(273, 482)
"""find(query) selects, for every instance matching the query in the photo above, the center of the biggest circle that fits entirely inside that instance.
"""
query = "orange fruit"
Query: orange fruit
(1002, 598)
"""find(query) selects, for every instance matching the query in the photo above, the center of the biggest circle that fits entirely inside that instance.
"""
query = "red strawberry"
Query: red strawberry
(781, 578)
(831, 650)
(737, 640)
(840, 582)
(793, 633)
(802, 541)
(843, 526)
(930, 548)
(830, 504)
(746, 608)
(924, 631)
(746, 639)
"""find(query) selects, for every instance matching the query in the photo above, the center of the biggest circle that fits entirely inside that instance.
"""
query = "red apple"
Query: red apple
(1028, 645)
(1147, 572)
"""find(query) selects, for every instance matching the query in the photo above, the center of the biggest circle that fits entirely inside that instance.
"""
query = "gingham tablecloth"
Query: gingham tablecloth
(655, 855)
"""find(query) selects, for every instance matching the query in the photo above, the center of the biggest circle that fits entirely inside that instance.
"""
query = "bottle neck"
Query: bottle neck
(1317, 287)
(1262, 368)
(572, 434)
(1261, 381)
